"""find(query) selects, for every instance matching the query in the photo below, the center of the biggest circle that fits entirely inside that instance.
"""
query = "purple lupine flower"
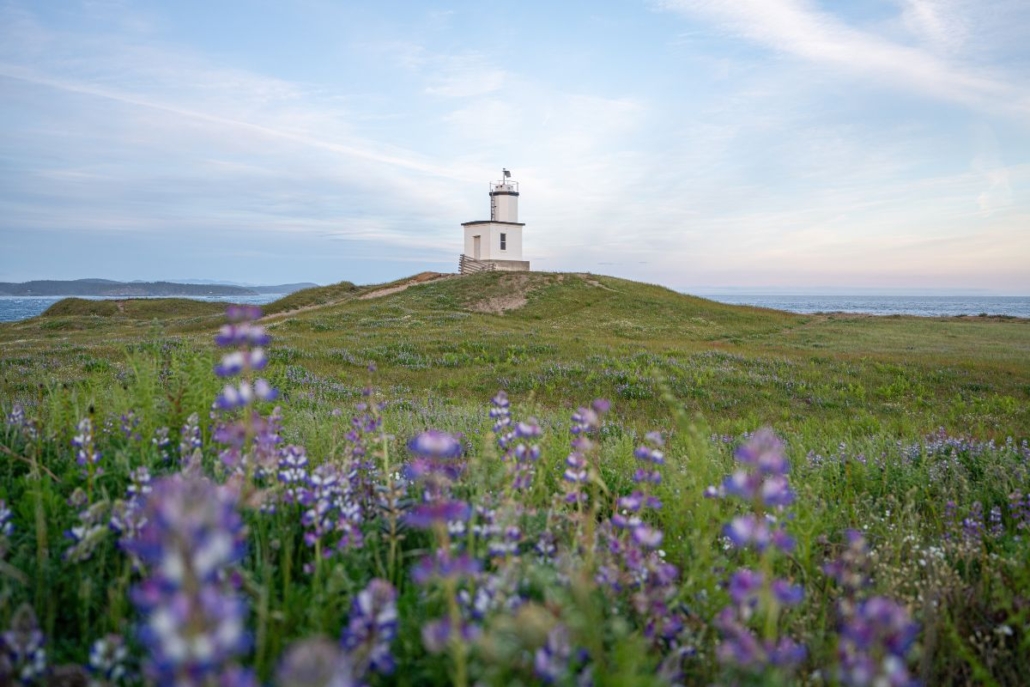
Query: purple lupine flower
(130, 423)
(498, 591)
(244, 394)
(239, 361)
(995, 526)
(249, 357)
(850, 570)
(293, 472)
(744, 585)
(316, 662)
(362, 473)
(438, 634)
(435, 465)
(235, 676)
(193, 618)
(16, 419)
(139, 484)
(764, 452)
(741, 648)
(190, 439)
(161, 442)
(442, 565)
(242, 334)
(90, 530)
(874, 643)
(436, 445)
(426, 516)
(651, 456)
(108, 659)
(371, 628)
(585, 423)
(524, 453)
(500, 412)
(6, 528)
(973, 525)
(556, 660)
(251, 443)
(588, 420)
(1019, 507)
(786, 593)
(546, 547)
(762, 483)
(648, 537)
(330, 511)
(86, 454)
(21, 647)
(749, 530)
(508, 544)
(128, 517)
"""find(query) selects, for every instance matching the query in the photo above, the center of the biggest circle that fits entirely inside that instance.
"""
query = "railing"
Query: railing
(506, 186)
(467, 265)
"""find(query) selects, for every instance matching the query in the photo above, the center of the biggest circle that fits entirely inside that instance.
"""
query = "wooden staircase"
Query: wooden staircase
(467, 265)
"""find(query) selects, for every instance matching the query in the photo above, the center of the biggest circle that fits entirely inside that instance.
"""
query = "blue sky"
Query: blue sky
(707, 145)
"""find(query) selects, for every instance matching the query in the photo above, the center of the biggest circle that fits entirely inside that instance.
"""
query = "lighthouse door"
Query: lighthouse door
(476, 247)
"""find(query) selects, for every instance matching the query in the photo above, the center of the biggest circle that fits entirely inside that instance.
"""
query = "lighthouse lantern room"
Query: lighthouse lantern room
(496, 244)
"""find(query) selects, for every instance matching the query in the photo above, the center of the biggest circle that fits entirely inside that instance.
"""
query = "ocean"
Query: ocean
(924, 306)
(14, 308)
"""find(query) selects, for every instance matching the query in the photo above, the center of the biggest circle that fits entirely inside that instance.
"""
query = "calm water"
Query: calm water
(926, 306)
(12, 309)
(17, 308)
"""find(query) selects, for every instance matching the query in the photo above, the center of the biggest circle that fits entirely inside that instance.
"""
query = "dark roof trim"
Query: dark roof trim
(504, 193)
(490, 221)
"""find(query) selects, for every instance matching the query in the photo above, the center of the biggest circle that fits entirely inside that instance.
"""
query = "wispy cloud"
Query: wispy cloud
(798, 28)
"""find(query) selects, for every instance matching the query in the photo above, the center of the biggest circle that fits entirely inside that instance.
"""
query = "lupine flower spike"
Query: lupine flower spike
(192, 616)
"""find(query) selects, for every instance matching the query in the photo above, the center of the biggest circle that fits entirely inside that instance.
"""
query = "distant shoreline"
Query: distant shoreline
(919, 306)
(104, 288)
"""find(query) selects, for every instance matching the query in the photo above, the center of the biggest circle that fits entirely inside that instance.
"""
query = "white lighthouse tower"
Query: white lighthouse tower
(496, 244)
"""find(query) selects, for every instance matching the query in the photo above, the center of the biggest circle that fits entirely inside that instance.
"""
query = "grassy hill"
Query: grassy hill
(563, 338)
(894, 430)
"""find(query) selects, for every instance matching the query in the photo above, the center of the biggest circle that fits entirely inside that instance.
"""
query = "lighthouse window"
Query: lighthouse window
(504, 242)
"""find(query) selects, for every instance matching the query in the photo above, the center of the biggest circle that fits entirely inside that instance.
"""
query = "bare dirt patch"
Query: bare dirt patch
(517, 287)
(498, 305)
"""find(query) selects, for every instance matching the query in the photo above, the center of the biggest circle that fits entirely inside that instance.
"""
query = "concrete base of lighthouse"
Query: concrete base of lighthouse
(467, 265)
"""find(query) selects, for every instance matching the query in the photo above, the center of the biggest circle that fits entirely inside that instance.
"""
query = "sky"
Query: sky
(705, 145)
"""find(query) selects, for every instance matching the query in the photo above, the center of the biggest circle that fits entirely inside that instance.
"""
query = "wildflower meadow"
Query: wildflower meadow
(206, 518)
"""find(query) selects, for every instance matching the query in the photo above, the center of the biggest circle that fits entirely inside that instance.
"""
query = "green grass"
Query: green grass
(859, 401)
(580, 336)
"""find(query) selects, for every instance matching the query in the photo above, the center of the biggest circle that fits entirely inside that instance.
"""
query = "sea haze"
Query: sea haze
(924, 306)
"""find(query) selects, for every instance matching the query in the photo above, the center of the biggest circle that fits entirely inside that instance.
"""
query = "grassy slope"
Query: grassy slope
(822, 381)
(580, 336)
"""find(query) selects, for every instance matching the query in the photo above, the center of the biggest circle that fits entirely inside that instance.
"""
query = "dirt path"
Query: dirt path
(421, 278)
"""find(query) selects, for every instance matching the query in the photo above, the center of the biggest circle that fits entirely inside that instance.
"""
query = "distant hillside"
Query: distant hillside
(142, 309)
(137, 289)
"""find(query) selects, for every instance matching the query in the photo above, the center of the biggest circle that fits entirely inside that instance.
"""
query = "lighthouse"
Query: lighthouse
(496, 244)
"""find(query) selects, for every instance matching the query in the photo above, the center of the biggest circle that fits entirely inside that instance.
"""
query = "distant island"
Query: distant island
(139, 289)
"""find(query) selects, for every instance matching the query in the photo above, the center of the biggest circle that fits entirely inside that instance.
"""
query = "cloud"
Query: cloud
(799, 29)
(937, 21)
